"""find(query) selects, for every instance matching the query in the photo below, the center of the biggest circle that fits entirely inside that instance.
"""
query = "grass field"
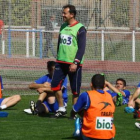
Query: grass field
(20, 126)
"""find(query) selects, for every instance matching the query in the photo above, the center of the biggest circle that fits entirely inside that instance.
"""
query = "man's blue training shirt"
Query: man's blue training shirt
(83, 101)
(47, 78)
(125, 98)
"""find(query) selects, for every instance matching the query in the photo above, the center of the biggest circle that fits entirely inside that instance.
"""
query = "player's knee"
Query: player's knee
(40, 109)
(18, 98)
(75, 94)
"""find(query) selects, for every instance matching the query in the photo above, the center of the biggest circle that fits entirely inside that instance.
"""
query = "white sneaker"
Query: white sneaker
(137, 125)
(28, 111)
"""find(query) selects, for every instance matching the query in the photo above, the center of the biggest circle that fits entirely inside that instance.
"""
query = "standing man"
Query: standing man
(1, 30)
(98, 111)
(70, 51)
(49, 26)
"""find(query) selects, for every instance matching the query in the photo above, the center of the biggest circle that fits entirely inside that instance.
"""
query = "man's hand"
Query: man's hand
(72, 67)
(46, 85)
(40, 90)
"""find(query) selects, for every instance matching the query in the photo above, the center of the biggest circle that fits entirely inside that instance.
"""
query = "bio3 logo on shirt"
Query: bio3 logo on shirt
(104, 123)
(66, 39)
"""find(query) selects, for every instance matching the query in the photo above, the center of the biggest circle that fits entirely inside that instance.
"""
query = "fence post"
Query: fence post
(102, 47)
(27, 43)
(9, 40)
(33, 41)
(3, 46)
(40, 44)
(133, 46)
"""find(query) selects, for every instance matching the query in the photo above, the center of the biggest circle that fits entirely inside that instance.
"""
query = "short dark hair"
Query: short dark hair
(72, 9)
(50, 64)
(121, 79)
(98, 81)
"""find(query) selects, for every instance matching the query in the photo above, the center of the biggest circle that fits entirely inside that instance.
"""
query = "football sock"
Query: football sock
(3, 107)
(40, 109)
(63, 109)
(38, 102)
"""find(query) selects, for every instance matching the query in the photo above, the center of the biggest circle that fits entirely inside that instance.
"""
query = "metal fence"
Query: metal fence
(94, 14)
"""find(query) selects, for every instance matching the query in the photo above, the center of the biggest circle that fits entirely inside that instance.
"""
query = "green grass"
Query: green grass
(20, 126)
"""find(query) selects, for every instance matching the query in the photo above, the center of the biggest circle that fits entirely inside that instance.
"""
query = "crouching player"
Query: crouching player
(46, 101)
(98, 109)
(8, 101)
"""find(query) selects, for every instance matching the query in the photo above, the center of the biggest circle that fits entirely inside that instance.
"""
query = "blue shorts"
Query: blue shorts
(61, 71)
(88, 138)
(1, 99)
(52, 107)
(125, 101)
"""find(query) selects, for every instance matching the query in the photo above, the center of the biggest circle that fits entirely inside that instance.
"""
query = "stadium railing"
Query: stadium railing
(33, 31)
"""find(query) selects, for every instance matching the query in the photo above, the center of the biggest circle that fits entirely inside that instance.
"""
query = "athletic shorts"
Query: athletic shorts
(1, 99)
(61, 71)
(125, 101)
(53, 107)
(88, 138)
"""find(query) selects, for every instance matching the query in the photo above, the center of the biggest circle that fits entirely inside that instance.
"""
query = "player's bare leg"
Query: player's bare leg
(59, 98)
(42, 96)
(61, 110)
(134, 97)
(10, 101)
(74, 100)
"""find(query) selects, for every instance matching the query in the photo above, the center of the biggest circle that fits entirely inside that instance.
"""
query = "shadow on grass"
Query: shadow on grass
(8, 109)
(51, 115)
(75, 138)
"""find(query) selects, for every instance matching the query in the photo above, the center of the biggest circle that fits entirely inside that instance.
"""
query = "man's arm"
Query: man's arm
(114, 89)
(36, 86)
(81, 37)
(82, 103)
(46, 90)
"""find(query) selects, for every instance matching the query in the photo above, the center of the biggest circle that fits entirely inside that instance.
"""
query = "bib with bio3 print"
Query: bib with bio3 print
(66, 39)
(104, 123)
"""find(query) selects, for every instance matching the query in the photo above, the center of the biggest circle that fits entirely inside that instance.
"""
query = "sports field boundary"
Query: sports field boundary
(89, 66)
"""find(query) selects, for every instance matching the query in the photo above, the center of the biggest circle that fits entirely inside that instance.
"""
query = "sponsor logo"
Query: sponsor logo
(105, 104)
(68, 29)
(104, 123)
(66, 39)
(106, 113)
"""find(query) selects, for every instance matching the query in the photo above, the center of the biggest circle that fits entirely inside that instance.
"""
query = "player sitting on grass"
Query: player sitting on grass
(46, 102)
(134, 102)
(98, 110)
(108, 87)
(122, 96)
(8, 101)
